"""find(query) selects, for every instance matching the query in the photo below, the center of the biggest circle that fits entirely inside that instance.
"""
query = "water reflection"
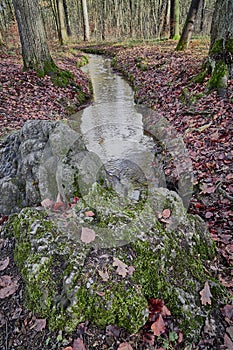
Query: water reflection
(111, 126)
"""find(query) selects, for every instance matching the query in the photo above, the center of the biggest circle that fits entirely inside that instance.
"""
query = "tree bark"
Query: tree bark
(86, 28)
(188, 26)
(1, 39)
(35, 50)
(62, 22)
(221, 46)
(67, 22)
(175, 19)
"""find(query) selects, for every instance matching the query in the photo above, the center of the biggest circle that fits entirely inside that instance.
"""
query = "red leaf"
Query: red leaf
(166, 213)
(158, 327)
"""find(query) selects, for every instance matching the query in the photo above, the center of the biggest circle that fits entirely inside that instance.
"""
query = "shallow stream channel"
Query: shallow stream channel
(132, 142)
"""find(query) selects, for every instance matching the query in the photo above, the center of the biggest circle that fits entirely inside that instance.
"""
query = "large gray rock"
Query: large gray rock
(29, 162)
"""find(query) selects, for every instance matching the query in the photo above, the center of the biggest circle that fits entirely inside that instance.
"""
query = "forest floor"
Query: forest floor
(164, 80)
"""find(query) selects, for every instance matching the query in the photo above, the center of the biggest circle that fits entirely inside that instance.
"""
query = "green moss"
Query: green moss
(62, 277)
(82, 61)
(119, 304)
(219, 76)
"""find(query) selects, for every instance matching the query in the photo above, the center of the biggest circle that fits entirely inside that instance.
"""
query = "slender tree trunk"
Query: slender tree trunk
(188, 26)
(86, 28)
(56, 18)
(62, 22)
(67, 22)
(1, 39)
(221, 46)
(202, 15)
(103, 34)
(175, 19)
(166, 30)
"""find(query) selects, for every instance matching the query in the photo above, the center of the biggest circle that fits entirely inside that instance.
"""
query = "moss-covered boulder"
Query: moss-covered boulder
(103, 258)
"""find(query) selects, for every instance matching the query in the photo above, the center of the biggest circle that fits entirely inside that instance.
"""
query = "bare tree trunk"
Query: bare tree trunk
(167, 18)
(188, 26)
(175, 19)
(221, 46)
(35, 50)
(62, 22)
(1, 39)
(86, 28)
(103, 34)
(67, 22)
(202, 15)
(56, 18)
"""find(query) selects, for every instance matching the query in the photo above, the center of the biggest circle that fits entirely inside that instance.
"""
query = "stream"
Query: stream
(113, 130)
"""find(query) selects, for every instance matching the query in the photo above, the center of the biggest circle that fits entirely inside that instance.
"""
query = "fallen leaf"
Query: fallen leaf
(165, 311)
(4, 263)
(227, 311)
(228, 342)
(158, 326)
(39, 324)
(104, 275)
(78, 344)
(89, 213)
(47, 203)
(125, 346)
(59, 206)
(207, 189)
(5, 281)
(148, 338)
(101, 294)
(206, 294)
(122, 268)
(166, 213)
(87, 235)
(9, 290)
(131, 270)
(112, 330)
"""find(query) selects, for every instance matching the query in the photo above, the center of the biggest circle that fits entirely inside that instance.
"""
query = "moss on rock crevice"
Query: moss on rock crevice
(67, 281)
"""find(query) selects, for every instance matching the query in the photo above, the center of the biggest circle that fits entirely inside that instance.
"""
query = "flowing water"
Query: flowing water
(113, 128)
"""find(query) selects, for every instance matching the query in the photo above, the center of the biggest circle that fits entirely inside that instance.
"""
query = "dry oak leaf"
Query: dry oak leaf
(87, 235)
(206, 294)
(158, 327)
(122, 268)
(125, 346)
(4, 263)
(8, 290)
(104, 275)
(39, 324)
